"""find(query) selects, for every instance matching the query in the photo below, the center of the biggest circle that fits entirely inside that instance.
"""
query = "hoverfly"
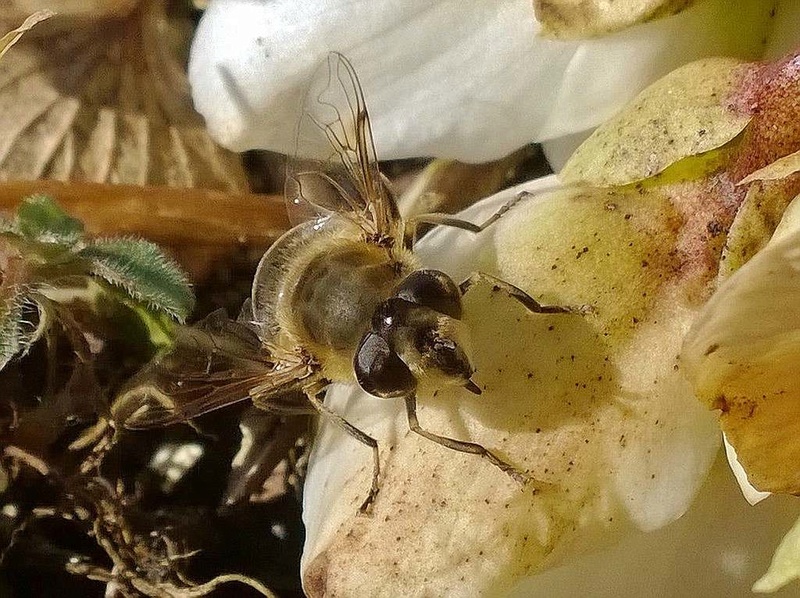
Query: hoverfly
(338, 298)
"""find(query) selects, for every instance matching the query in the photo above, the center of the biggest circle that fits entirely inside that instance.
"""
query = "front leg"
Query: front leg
(461, 446)
(515, 293)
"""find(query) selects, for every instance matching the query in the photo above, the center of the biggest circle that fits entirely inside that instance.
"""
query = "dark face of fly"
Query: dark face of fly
(415, 335)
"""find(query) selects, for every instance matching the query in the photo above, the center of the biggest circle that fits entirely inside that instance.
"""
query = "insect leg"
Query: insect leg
(447, 220)
(361, 437)
(514, 292)
(462, 446)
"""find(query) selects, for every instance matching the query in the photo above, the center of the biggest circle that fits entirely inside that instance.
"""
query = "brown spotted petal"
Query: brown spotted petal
(766, 158)
(592, 404)
(756, 219)
(741, 355)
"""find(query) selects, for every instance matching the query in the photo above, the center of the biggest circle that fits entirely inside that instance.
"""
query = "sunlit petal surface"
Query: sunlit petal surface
(469, 81)
(593, 404)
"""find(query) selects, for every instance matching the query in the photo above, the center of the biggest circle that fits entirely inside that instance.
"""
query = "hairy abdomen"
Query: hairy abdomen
(337, 293)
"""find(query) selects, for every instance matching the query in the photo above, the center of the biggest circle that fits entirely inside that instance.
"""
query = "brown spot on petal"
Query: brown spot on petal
(709, 203)
(771, 94)
(715, 228)
(315, 580)
(720, 403)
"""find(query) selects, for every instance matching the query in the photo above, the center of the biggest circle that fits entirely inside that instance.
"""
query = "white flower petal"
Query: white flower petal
(752, 495)
(470, 81)
(718, 548)
(621, 432)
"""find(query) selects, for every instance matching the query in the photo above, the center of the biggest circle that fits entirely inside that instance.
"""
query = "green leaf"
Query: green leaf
(159, 328)
(40, 218)
(144, 272)
(683, 114)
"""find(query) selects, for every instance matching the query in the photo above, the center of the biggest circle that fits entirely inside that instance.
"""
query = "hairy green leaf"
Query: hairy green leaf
(159, 327)
(40, 218)
(16, 333)
(143, 271)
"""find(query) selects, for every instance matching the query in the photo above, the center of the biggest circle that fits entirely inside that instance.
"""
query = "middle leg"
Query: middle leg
(461, 446)
(362, 437)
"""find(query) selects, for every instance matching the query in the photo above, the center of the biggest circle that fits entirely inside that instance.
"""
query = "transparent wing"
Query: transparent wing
(335, 169)
(268, 280)
(210, 368)
(164, 398)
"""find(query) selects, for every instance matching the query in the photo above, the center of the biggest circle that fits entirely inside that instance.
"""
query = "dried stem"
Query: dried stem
(165, 215)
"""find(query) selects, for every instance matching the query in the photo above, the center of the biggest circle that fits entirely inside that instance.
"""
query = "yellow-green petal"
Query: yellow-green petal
(785, 565)
(751, 229)
(592, 404)
(567, 19)
(779, 169)
(683, 114)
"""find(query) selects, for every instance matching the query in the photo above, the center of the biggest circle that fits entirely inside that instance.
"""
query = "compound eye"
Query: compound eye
(391, 315)
(433, 289)
(380, 371)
